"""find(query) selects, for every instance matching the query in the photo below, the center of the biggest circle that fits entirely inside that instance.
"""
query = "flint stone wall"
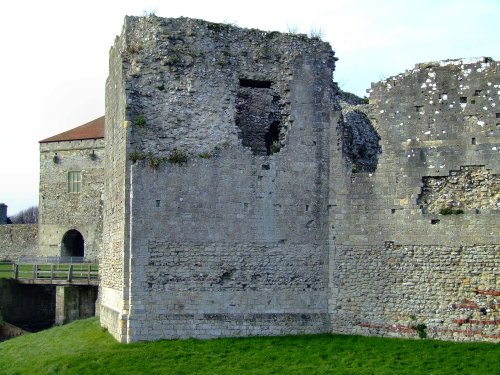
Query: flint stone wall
(60, 210)
(18, 240)
(232, 242)
(396, 262)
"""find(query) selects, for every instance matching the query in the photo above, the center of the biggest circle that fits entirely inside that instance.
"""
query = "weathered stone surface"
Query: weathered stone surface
(60, 210)
(18, 240)
(470, 189)
(3, 213)
(233, 243)
(395, 262)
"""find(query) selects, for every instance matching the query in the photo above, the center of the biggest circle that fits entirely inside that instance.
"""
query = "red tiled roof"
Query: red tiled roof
(91, 130)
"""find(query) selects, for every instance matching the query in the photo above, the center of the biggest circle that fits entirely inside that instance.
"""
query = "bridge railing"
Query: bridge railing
(58, 272)
(53, 260)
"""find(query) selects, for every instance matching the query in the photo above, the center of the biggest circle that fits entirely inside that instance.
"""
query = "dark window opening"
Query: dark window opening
(477, 92)
(258, 117)
(473, 141)
(472, 101)
(72, 244)
(497, 115)
(463, 99)
(434, 221)
(255, 84)
(265, 167)
(418, 108)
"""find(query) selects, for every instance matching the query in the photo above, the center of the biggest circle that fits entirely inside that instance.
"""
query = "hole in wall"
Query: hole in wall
(473, 141)
(255, 83)
(158, 203)
(497, 115)
(266, 167)
(307, 207)
(477, 92)
(463, 99)
(258, 117)
(393, 210)
(435, 221)
(472, 101)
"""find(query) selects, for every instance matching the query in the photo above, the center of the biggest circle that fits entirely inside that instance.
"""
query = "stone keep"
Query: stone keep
(245, 195)
(232, 240)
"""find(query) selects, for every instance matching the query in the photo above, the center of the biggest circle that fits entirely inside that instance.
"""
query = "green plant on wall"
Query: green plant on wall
(154, 162)
(421, 330)
(275, 147)
(177, 157)
(140, 121)
(205, 155)
(450, 211)
(136, 156)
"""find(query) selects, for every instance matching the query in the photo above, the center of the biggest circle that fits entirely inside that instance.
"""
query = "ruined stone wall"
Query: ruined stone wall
(416, 241)
(61, 210)
(225, 217)
(18, 240)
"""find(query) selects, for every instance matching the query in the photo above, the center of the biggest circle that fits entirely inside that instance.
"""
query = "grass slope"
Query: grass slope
(83, 348)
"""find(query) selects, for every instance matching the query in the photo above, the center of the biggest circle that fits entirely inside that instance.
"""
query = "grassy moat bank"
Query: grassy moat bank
(82, 347)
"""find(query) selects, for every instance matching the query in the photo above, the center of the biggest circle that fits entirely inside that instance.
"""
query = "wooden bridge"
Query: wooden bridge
(57, 271)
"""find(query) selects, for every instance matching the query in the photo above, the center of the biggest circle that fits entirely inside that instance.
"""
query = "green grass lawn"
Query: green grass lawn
(83, 348)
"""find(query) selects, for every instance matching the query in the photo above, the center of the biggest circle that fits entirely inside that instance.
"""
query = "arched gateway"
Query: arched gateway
(72, 244)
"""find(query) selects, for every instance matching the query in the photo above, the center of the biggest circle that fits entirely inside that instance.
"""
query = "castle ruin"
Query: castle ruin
(239, 192)
(245, 195)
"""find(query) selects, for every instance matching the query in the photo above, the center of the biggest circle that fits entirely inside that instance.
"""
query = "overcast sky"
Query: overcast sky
(54, 55)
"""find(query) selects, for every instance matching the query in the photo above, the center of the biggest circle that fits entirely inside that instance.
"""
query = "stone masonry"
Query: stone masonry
(3, 213)
(18, 240)
(246, 195)
(215, 218)
(416, 241)
(62, 211)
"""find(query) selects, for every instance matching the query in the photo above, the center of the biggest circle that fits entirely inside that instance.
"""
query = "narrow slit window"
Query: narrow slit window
(74, 182)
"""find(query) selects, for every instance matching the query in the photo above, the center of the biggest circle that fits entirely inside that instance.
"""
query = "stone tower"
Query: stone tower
(3, 213)
(216, 186)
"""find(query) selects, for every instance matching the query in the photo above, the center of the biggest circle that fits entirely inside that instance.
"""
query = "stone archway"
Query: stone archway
(72, 244)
